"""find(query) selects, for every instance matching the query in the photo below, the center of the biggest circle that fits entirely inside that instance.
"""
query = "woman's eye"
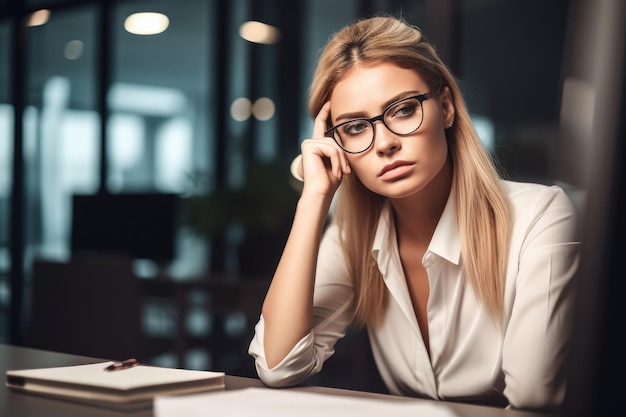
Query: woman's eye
(404, 110)
(354, 128)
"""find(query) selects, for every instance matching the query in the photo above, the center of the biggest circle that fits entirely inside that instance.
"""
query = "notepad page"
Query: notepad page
(126, 379)
(266, 402)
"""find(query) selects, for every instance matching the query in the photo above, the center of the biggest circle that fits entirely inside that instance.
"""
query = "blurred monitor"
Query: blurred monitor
(594, 150)
(142, 226)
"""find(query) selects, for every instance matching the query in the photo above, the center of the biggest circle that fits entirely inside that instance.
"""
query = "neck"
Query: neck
(417, 216)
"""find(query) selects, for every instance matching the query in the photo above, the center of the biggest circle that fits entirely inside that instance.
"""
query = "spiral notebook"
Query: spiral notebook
(126, 389)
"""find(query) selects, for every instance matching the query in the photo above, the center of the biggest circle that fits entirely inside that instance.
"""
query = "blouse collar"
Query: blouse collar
(445, 242)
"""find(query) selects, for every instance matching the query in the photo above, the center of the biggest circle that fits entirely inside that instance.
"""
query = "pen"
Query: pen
(118, 366)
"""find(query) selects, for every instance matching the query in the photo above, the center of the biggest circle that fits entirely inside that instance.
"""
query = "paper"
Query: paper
(267, 402)
(94, 375)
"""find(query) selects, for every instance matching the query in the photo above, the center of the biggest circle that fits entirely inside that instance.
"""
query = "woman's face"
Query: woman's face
(395, 166)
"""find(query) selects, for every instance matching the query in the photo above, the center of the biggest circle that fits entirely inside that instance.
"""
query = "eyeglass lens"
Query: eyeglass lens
(402, 118)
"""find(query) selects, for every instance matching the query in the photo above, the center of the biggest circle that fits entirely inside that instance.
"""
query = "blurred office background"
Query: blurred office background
(121, 154)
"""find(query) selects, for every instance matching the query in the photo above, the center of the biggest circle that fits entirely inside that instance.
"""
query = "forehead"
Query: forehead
(368, 87)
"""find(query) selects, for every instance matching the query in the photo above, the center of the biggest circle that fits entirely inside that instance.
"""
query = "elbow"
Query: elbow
(297, 365)
(281, 377)
(274, 380)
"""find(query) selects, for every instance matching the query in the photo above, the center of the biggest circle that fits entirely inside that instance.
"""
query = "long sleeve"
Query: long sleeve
(332, 313)
(542, 297)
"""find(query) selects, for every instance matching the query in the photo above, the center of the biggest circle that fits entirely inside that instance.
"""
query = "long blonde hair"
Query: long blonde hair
(483, 212)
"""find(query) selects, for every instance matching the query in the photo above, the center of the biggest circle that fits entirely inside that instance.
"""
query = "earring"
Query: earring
(450, 125)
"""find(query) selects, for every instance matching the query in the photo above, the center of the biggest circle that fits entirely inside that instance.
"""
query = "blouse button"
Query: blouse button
(427, 260)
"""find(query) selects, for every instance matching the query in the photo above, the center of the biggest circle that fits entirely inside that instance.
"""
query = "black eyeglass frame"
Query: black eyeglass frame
(420, 97)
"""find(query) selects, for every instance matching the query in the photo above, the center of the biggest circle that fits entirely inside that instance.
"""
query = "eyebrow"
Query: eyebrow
(362, 115)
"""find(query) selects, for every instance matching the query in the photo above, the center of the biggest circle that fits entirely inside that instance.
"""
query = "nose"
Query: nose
(385, 141)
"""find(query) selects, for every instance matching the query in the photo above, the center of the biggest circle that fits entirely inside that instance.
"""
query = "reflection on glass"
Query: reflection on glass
(147, 100)
(73, 49)
(126, 145)
(6, 165)
(486, 131)
(135, 141)
(174, 150)
(61, 147)
(159, 134)
(158, 99)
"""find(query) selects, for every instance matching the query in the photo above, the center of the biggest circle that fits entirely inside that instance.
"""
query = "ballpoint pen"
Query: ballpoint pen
(118, 366)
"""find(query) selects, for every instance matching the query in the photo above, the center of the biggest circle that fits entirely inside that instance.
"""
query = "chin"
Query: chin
(399, 191)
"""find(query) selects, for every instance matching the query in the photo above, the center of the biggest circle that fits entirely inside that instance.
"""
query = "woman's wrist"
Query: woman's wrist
(313, 204)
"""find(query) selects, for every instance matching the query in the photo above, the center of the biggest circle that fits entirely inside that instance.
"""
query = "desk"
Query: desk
(22, 405)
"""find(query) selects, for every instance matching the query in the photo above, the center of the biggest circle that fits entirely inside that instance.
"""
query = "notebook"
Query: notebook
(126, 389)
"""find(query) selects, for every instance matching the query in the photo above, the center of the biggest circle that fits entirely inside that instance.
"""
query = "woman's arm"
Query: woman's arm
(332, 308)
(288, 306)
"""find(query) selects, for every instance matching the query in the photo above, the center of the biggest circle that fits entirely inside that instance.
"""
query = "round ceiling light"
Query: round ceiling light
(38, 18)
(263, 109)
(258, 32)
(240, 109)
(146, 23)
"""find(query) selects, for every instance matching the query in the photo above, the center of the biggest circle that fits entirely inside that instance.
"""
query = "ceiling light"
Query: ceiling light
(38, 18)
(73, 49)
(258, 32)
(263, 109)
(240, 109)
(146, 23)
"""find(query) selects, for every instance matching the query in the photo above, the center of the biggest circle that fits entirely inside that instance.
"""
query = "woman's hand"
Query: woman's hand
(323, 162)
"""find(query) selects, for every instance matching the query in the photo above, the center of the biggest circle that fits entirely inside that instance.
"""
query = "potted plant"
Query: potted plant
(262, 210)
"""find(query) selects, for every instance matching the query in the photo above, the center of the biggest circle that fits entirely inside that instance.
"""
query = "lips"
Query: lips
(395, 168)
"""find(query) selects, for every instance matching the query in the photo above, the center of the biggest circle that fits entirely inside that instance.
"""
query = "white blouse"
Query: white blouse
(471, 358)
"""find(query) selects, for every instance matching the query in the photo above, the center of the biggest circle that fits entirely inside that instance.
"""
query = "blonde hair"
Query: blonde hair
(483, 212)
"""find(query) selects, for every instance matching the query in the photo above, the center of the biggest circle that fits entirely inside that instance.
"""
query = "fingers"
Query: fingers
(336, 164)
(320, 124)
(319, 131)
(321, 156)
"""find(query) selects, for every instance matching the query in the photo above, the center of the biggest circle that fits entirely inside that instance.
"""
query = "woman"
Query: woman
(463, 280)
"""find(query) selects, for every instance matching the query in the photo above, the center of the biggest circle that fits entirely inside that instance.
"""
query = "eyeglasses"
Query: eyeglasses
(403, 118)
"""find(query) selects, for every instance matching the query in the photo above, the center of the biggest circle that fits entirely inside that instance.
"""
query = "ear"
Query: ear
(447, 106)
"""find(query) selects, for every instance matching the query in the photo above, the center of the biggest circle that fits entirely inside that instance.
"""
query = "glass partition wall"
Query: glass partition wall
(61, 126)
(6, 164)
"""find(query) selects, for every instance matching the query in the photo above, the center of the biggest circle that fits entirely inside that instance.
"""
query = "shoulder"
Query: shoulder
(539, 207)
(537, 197)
